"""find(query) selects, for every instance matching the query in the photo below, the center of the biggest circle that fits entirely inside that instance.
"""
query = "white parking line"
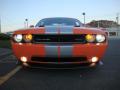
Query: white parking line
(3, 79)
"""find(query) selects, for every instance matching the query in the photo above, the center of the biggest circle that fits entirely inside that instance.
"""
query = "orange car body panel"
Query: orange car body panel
(88, 50)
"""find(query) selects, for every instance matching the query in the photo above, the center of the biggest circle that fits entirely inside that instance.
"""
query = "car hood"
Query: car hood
(59, 30)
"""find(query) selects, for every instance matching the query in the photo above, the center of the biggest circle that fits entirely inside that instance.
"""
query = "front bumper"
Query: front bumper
(61, 54)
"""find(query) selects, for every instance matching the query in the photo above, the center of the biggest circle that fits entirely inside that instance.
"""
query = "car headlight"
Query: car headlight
(100, 38)
(18, 38)
(27, 37)
(90, 38)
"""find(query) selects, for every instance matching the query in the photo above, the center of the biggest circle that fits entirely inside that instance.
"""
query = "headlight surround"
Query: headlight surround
(18, 38)
(27, 37)
(100, 38)
(90, 38)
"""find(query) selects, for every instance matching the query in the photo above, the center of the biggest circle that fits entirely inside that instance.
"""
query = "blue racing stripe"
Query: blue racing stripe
(51, 30)
(51, 50)
(66, 30)
(66, 51)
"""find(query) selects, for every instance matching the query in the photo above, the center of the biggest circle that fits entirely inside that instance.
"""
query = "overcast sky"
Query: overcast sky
(14, 12)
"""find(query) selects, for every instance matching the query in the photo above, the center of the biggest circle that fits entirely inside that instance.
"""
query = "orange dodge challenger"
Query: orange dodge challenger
(59, 41)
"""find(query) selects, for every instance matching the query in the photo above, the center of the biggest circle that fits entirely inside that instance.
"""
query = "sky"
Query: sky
(14, 12)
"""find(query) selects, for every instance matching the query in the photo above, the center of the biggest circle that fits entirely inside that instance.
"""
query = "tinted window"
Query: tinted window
(58, 21)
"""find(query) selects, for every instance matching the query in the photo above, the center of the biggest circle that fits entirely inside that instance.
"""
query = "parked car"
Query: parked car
(59, 41)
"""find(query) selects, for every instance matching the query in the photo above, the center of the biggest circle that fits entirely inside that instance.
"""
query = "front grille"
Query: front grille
(59, 38)
(56, 59)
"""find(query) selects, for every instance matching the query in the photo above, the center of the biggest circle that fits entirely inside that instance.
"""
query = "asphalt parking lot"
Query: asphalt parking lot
(105, 77)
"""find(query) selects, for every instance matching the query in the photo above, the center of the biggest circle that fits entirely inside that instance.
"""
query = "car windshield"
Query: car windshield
(58, 21)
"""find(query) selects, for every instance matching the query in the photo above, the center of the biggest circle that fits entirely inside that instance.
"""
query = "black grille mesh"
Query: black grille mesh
(56, 59)
(59, 38)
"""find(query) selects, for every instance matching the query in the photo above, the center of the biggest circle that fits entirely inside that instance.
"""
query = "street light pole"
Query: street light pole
(26, 23)
(84, 17)
(0, 25)
(117, 21)
(98, 24)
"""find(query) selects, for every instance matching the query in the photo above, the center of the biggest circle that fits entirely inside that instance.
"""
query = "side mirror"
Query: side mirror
(31, 26)
(77, 25)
